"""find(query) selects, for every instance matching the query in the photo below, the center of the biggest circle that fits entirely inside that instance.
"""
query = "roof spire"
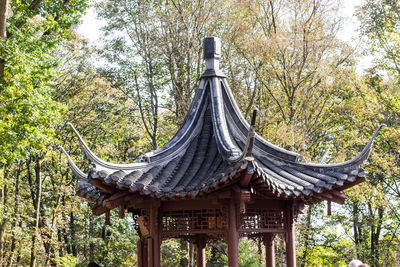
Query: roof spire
(212, 55)
(212, 52)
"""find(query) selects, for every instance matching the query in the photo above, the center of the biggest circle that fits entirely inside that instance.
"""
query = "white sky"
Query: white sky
(90, 29)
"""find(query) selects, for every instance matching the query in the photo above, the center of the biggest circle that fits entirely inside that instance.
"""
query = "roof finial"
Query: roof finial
(212, 52)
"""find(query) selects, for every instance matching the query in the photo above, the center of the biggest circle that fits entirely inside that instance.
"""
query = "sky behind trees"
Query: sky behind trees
(90, 29)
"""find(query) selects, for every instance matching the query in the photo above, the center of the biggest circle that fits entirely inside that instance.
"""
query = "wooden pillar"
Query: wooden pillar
(233, 236)
(154, 241)
(150, 250)
(139, 251)
(142, 253)
(201, 251)
(290, 237)
(269, 250)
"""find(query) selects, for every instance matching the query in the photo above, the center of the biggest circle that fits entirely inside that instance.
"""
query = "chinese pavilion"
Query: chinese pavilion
(215, 179)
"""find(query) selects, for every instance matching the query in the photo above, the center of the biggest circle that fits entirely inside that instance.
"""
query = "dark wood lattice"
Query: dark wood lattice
(193, 220)
(259, 219)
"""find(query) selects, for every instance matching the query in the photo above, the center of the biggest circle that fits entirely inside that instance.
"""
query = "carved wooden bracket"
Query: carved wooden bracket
(242, 197)
(144, 226)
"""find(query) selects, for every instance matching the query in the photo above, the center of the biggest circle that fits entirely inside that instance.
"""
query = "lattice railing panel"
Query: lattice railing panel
(189, 220)
(255, 219)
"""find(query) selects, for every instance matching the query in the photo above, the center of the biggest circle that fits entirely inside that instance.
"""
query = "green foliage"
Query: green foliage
(325, 256)
(119, 246)
(171, 252)
(217, 254)
(66, 261)
(27, 112)
(381, 24)
(248, 254)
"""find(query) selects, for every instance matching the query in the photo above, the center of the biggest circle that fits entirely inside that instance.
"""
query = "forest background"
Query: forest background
(129, 94)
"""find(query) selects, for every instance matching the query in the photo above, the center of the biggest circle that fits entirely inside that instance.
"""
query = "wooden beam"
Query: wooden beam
(258, 181)
(235, 188)
(99, 210)
(206, 203)
(118, 195)
(272, 204)
(224, 194)
(113, 203)
(333, 196)
(338, 194)
(351, 184)
(245, 179)
(102, 187)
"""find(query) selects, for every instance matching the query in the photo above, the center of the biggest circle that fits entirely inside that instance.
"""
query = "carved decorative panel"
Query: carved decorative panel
(193, 220)
(257, 219)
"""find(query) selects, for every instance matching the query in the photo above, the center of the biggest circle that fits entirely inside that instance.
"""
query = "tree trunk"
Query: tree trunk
(61, 247)
(4, 221)
(53, 223)
(3, 33)
(306, 238)
(357, 230)
(16, 215)
(91, 244)
(37, 211)
(72, 228)
(64, 233)
(375, 232)
(19, 249)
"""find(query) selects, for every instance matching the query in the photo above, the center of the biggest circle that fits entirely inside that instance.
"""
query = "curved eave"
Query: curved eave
(178, 146)
(83, 187)
(80, 175)
(314, 185)
(356, 161)
(211, 184)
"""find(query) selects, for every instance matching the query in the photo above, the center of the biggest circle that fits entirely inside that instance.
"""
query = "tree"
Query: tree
(30, 32)
(154, 51)
(380, 23)
(296, 62)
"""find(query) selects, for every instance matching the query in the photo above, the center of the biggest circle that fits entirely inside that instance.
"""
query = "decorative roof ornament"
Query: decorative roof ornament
(212, 55)
(215, 147)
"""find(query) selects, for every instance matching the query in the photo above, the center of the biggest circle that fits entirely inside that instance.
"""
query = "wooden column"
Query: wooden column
(154, 241)
(233, 236)
(290, 236)
(269, 250)
(142, 253)
(150, 251)
(139, 251)
(201, 251)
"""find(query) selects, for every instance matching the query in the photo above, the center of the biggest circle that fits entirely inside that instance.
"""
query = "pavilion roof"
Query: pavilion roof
(213, 148)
